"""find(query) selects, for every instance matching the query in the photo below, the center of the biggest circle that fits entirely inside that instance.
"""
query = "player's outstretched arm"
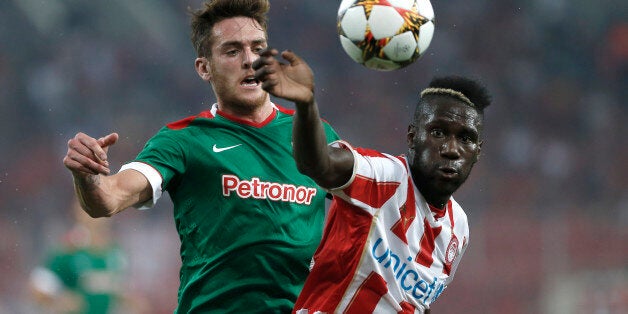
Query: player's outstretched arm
(329, 167)
(102, 195)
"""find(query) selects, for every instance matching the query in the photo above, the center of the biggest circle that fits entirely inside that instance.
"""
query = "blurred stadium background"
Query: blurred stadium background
(548, 202)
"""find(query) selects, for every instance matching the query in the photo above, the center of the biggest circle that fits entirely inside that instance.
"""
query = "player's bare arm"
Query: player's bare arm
(329, 167)
(102, 195)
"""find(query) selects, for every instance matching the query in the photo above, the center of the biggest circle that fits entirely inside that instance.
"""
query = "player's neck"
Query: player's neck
(438, 202)
(254, 114)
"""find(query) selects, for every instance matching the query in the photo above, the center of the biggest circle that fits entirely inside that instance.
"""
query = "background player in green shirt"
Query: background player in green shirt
(84, 273)
(248, 221)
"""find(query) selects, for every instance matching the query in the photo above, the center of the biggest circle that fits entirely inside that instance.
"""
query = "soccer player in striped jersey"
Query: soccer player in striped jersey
(248, 221)
(394, 235)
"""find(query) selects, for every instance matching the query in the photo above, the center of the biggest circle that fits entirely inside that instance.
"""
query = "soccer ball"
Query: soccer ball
(385, 35)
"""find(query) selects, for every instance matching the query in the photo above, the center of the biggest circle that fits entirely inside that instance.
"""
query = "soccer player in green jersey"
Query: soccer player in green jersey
(84, 273)
(248, 221)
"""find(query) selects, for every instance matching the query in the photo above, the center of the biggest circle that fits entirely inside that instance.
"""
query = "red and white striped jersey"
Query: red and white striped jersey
(384, 249)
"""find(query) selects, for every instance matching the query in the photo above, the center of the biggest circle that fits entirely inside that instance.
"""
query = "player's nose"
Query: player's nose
(450, 148)
(248, 57)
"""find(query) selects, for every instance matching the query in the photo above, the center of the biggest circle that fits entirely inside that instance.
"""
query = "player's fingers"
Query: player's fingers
(80, 163)
(91, 164)
(108, 140)
(75, 146)
(86, 154)
(76, 167)
(266, 57)
(93, 146)
(269, 85)
(264, 74)
(291, 57)
(269, 52)
(260, 63)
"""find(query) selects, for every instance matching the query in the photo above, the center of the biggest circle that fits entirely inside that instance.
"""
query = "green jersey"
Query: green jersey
(94, 274)
(248, 221)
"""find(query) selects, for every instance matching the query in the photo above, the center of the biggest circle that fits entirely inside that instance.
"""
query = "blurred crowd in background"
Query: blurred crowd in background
(547, 203)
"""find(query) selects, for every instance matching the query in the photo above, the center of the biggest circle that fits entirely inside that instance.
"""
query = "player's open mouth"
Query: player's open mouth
(249, 81)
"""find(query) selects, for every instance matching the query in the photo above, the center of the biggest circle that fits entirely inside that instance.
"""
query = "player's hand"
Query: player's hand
(87, 155)
(292, 81)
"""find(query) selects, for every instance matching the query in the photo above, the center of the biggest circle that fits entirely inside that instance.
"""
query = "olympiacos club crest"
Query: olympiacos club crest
(452, 250)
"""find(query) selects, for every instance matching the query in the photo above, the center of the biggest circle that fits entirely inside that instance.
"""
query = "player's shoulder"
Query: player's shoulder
(398, 161)
(289, 113)
(456, 207)
(384, 167)
(188, 121)
(284, 110)
(178, 133)
(458, 211)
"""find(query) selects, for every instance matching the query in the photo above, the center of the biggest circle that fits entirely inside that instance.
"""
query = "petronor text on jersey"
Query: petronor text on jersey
(267, 190)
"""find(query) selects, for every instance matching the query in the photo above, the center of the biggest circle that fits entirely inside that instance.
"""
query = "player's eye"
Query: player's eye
(232, 52)
(468, 138)
(437, 133)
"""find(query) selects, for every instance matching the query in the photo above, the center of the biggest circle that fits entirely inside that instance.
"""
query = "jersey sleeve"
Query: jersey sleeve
(344, 145)
(154, 178)
(161, 161)
(376, 176)
(46, 281)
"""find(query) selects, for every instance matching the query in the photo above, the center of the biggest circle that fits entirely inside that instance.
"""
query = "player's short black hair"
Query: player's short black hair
(471, 91)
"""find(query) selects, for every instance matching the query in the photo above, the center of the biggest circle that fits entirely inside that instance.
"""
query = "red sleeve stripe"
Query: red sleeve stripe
(369, 152)
(371, 192)
(183, 123)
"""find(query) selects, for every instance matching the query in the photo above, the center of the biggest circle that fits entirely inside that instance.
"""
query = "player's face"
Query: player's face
(236, 44)
(444, 144)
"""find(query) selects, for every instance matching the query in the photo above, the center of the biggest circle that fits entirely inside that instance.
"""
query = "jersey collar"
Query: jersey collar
(217, 112)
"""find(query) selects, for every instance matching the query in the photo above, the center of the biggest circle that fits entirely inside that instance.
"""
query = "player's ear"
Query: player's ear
(479, 153)
(202, 66)
(410, 136)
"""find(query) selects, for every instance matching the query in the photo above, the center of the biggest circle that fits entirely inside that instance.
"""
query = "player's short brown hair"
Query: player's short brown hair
(214, 11)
